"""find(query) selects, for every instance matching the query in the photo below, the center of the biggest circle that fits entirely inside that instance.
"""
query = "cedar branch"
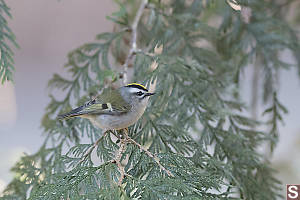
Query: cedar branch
(155, 158)
(133, 48)
(119, 154)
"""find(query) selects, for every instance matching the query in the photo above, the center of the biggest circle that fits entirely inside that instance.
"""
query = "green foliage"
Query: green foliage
(6, 37)
(195, 125)
(275, 111)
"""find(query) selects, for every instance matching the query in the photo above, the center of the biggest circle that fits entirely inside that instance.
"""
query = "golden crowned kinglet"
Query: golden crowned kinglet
(114, 109)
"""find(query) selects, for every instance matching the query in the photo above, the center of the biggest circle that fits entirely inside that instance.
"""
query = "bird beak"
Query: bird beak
(149, 94)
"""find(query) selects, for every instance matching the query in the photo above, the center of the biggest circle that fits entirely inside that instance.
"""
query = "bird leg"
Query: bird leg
(120, 134)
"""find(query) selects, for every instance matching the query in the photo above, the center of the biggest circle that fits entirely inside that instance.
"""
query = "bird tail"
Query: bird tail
(73, 113)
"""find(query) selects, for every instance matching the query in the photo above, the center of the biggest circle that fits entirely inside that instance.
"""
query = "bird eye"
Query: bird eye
(139, 93)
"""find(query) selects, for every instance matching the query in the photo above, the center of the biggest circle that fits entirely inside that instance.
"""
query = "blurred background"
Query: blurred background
(46, 31)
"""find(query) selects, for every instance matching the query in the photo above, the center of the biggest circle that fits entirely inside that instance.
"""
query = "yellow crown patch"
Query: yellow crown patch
(137, 86)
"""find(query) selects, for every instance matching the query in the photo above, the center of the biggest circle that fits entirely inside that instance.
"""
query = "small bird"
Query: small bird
(114, 109)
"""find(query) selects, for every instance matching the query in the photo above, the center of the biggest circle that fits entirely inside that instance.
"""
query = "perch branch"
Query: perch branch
(156, 159)
(119, 154)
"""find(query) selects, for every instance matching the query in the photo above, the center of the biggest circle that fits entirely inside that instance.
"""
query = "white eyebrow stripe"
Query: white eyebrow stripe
(135, 90)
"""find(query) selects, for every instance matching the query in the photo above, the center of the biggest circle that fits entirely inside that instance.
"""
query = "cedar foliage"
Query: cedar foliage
(195, 125)
(6, 37)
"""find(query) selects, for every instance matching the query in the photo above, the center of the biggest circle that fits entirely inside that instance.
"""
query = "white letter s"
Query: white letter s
(293, 189)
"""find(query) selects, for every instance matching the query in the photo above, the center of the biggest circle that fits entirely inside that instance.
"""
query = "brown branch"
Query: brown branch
(155, 158)
(119, 154)
(133, 48)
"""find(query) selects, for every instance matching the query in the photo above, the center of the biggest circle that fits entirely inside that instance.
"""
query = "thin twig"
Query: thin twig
(155, 158)
(90, 150)
(133, 48)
